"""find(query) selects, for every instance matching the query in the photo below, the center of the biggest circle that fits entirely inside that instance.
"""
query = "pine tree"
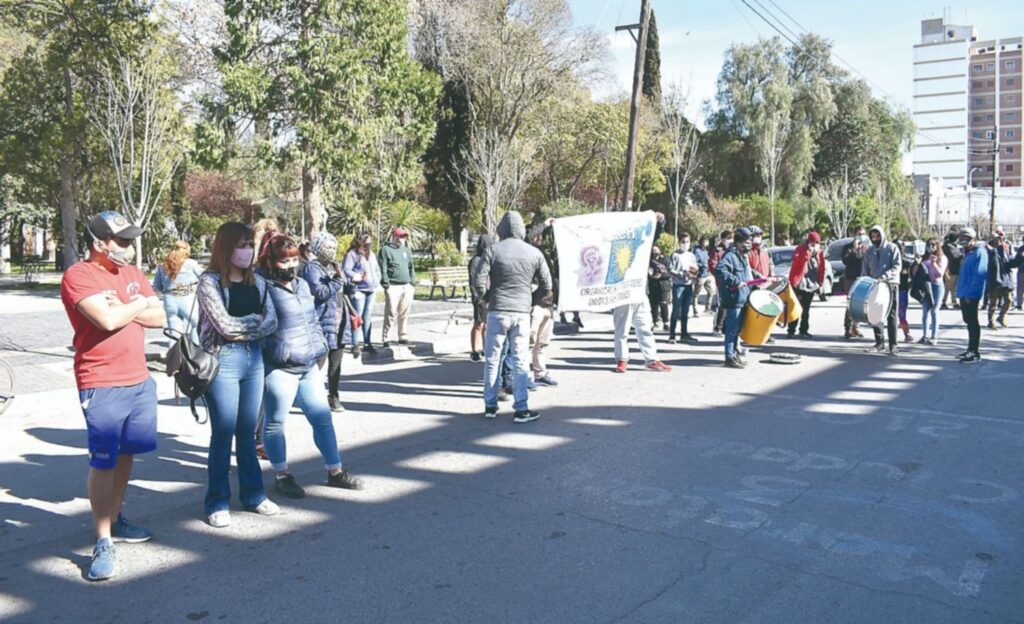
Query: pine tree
(652, 63)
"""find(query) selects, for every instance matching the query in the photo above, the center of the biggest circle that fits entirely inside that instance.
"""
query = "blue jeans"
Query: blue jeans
(733, 323)
(514, 329)
(307, 391)
(929, 308)
(362, 301)
(682, 296)
(177, 310)
(234, 402)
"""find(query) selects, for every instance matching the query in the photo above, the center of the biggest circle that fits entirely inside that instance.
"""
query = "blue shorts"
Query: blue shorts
(121, 420)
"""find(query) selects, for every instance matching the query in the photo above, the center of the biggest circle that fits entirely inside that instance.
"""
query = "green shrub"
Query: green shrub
(666, 243)
(447, 254)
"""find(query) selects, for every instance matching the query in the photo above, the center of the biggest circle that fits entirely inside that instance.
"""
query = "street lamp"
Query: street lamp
(970, 192)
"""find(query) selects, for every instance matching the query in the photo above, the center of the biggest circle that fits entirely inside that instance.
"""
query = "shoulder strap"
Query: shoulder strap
(195, 413)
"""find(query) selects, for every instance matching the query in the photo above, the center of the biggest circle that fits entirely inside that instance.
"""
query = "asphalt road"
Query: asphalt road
(847, 488)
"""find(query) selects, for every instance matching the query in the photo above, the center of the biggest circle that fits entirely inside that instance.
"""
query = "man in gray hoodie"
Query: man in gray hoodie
(882, 261)
(505, 278)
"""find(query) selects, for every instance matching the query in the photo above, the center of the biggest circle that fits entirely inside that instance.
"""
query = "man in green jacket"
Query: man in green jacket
(397, 278)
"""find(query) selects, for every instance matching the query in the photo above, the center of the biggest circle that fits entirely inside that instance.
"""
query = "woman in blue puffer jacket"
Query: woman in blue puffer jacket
(290, 357)
(325, 279)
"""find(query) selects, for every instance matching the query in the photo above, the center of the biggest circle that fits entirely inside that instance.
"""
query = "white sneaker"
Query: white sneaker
(267, 508)
(219, 519)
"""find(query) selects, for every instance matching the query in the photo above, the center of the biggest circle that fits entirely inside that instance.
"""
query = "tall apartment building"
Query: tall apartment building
(995, 110)
(967, 96)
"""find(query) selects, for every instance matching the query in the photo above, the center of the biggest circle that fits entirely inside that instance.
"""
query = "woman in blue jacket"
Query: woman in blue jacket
(323, 275)
(970, 289)
(290, 355)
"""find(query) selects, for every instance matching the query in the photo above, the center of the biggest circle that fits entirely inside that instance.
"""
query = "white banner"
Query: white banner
(603, 259)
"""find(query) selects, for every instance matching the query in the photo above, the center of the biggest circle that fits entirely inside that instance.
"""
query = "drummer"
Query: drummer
(806, 275)
(734, 277)
(882, 261)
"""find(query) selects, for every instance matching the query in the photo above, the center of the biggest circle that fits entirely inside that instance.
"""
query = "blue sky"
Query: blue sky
(875, 36)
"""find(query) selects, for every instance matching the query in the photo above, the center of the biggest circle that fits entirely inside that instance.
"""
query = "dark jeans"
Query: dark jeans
(999, 297)
(805, 298)
(969, 312)
(848, 323)
(681, 298)
(334, 371)
(890, 320)
(659, 308)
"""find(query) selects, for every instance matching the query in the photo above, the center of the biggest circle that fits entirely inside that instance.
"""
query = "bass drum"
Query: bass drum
(793, 309)
(759, 315)
(870, 301)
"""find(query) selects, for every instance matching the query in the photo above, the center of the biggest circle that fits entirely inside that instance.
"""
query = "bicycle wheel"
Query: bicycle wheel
(6, 386)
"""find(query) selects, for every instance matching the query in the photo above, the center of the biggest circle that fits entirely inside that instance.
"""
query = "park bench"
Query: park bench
(449, 277)
(34, 265)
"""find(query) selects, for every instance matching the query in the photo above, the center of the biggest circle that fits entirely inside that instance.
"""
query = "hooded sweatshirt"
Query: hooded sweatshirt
(508, 270)
(482, 245)
(884, 261)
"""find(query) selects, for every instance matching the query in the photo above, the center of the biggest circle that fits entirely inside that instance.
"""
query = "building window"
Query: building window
(990, 66)
(1009, 64)
(1010, 99)
(977, 84)
(1011, 116)
(1010, 134)
(990, 117)
(1009, 82)
(976, 134)
(990, 83)
(978, 68)
(979, 101)
(990, 134)
(1009, 168)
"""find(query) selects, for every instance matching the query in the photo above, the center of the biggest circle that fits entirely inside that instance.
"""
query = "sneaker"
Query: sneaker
(943, 307)
(545, 380)
(344, 481)
(658, 367)
(690, 339)
(287, 486)
(1002, 322)
(956, 306)
(219, 519)
(385, 344)
(104, 561)
(908, 338)
(992, 326)
(357, 352)
(621, 366)
(335, 404)
(124, 531)
(878, 347)
(503, 394)
(474, 355)
(806, 336)
(525, 416)
(266, 508)
(791, 335)
(716, 333)
(403, 342)
(970, 358)
(933, 341)
(894, 352)
(734, 363)
(923, 340)
(671, 340)
(577, 321)
(491, 411)
(370, 349)
(963, 354)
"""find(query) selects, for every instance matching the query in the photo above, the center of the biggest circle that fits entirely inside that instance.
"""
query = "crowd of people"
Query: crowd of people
(276, 312)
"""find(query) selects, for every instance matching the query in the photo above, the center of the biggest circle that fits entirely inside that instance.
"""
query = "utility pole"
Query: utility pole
(846, 198)
(995, 177)
(634, 105)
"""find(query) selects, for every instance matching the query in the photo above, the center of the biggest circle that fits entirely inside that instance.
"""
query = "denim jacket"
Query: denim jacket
(217, 326)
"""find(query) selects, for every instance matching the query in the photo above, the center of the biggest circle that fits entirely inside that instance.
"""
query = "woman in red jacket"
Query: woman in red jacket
(806, 275)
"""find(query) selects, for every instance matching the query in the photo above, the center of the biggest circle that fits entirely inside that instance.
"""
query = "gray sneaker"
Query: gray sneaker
(124, 531)
(104, 561)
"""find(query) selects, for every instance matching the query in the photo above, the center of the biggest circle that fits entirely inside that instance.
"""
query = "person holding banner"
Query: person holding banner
(510, 268)
(734, 277)
(639, 316)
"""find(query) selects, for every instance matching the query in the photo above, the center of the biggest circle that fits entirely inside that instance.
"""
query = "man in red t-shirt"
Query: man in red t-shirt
(110, 303)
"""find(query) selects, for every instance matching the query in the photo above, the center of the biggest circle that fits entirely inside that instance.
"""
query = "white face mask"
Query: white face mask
(121, 256)
(684, 246)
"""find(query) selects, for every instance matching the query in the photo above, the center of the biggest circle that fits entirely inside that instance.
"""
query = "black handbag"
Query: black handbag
(192, 368)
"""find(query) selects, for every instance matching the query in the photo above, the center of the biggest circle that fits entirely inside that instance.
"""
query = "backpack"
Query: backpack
(919, 285)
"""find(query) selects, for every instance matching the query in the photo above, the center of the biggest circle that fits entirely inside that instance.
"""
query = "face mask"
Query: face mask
(684, 246)
(283, 275)
(121, 256)
(757, 241)
(242, 257)
(877, 243)
(931, 248)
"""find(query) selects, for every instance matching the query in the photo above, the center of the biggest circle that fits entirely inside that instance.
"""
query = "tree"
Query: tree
(683, 141)
(70, 42)
(651, 87)
(330, 86)
(774, 134)
(136, 117)
(833, 194)
(509, 56)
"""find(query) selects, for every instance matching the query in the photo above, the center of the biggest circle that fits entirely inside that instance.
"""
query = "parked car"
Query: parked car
(782, 258)
(834, 257)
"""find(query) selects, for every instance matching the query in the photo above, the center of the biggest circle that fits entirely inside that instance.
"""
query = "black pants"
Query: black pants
(969, 312)
(659, 307)
(890, 319)
(334, 371)
(805, 298)
(848, 323)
